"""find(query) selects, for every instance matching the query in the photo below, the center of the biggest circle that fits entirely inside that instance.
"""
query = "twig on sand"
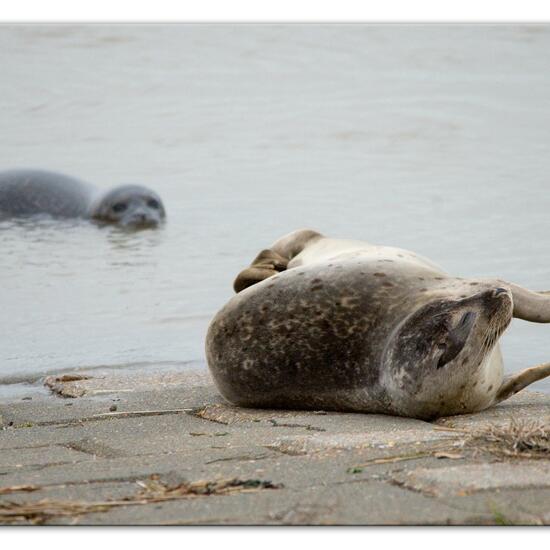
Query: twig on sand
(113, 390)
(449, 429)
(19, 489)
(141, 413)
(444, 450)
(391, 459)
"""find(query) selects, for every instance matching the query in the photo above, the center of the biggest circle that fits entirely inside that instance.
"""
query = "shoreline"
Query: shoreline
(129, 447)
(34, 381)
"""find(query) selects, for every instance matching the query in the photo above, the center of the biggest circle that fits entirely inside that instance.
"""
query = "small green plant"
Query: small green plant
(498, 516)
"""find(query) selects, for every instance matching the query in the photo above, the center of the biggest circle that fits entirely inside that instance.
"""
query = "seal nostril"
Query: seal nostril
(499, 291)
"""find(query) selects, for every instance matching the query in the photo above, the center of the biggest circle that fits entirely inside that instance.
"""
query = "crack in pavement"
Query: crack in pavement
(95, 418)
(199, 412)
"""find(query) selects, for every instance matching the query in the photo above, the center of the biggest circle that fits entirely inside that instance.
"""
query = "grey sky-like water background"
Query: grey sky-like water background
(432, 138)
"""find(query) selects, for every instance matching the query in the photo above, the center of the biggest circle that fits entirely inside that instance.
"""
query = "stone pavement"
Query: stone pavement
(140, 447)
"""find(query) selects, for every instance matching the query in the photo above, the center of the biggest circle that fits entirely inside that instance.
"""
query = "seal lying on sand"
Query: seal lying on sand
(351, 326)
(33, 192)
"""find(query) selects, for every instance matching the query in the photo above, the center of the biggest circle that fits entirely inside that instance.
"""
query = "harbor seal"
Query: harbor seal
(26, 193)
(351, 326)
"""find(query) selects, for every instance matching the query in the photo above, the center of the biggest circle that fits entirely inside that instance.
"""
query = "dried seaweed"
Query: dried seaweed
(152, 490)
(61, 385)
(518, 439)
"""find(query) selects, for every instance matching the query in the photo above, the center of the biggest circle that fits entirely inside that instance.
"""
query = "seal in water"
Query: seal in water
(26, 193)
(351, 326)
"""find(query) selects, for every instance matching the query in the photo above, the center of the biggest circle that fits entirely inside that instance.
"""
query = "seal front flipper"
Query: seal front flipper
(516, 382)
(273, 260)
(266, 264)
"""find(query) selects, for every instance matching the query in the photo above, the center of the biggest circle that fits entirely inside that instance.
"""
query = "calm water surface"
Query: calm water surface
(431, 138)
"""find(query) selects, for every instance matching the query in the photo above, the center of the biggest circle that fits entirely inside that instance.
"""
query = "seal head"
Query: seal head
(438, 355)
(129, 206)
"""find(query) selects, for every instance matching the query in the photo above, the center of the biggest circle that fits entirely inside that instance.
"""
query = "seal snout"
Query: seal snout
(497, 301)
(495, 295)
(498, 291)
(141, 219)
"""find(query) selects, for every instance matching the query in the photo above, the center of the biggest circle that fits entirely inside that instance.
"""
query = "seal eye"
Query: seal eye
(443, 360)
(119, 207)
(153, 203)
(467, 319)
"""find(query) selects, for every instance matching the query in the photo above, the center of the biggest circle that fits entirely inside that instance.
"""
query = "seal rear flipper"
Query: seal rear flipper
(290, 245)
(270, 259)
(516, 382)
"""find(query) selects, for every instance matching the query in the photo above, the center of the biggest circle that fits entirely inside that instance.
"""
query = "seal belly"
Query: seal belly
(481, 391)
(301, 337)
